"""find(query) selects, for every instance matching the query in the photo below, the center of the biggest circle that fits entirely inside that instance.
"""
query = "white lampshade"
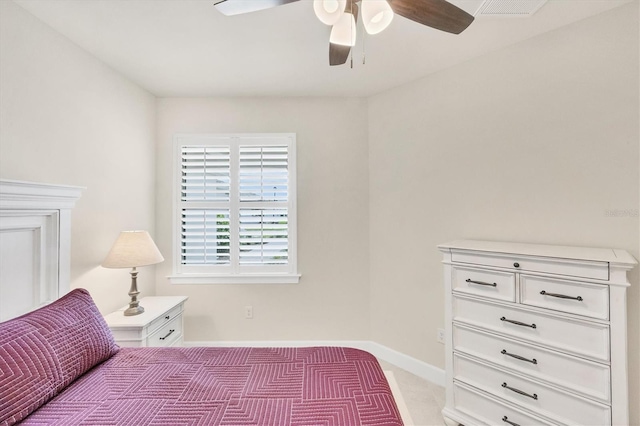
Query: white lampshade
(132, 249)
(343, 32)
(329, 11)
(376, 15)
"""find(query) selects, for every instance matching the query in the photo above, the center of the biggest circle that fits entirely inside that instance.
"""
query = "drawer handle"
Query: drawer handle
(534, 396)
(167, 317)
(518, 322)
(506, 420)
(168, 334)
(521, 358)
(561, 296)
(516, 265)
(469, 280)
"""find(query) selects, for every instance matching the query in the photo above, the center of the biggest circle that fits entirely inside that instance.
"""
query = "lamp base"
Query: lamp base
(134, 306)
(133, 310)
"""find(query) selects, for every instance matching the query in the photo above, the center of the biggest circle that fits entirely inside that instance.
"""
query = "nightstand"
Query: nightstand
(159, 325)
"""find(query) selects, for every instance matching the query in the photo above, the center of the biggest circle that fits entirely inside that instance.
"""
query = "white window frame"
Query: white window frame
(235, 273)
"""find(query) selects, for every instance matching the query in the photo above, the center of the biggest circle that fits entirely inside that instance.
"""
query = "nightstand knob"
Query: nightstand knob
(167, 317)
(516, 265)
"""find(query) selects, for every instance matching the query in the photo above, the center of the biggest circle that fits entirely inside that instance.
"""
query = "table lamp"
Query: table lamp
(133, 249)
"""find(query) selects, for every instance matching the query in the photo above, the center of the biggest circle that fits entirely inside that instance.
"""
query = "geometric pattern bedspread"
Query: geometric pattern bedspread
(227, 386)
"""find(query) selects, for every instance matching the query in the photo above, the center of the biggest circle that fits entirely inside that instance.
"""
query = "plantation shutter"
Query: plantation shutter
(206, 176)
(263, 233)
(264, 174)
(205, 237)
(235, 205)
(206, 173)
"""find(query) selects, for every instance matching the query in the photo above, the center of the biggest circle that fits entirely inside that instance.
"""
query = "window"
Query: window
(235, 209)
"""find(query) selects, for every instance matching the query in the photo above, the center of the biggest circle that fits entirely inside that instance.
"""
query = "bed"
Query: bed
(60, 365)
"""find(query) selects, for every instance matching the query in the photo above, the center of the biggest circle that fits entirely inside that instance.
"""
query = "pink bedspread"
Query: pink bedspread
(227, 386)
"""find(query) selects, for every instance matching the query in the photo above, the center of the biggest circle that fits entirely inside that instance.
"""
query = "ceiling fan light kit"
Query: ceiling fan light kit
(342, 15)
(329, 11)
(376, 15)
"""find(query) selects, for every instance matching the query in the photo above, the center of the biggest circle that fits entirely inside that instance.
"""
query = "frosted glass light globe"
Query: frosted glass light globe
(344, 31)
(329, 11)
(376, 15)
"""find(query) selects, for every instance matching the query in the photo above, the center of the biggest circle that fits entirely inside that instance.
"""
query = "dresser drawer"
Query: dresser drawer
(588, 378)
(573, 268)
(591, 300)
(486, 283)
(168, 334)
(545, 400)
(163, 319)
(572, 336)
(489, 410)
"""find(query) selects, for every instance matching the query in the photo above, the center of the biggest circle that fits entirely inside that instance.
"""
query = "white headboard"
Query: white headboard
(35, 237)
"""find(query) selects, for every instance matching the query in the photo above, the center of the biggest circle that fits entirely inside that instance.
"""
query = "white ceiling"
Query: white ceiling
(187, 48)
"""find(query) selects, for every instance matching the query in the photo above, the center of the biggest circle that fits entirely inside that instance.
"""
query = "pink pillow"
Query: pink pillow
(43, 351)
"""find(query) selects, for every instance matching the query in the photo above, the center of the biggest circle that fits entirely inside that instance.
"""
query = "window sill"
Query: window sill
(235, 279)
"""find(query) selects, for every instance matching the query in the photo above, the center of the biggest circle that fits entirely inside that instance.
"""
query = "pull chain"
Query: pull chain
(352, 20)
(364, 50)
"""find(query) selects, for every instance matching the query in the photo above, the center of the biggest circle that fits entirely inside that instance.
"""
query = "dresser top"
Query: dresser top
(154, 306)
(613, 256)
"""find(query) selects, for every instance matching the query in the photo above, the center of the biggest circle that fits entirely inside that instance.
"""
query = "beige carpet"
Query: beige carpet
(425, 400)
(402, 406)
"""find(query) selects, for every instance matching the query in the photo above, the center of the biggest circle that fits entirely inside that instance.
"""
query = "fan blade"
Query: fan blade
(338, 54)
(237, 7)
(438, 14)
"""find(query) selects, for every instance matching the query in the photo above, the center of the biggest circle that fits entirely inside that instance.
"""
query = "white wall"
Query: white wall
(331, 300)
(532, 143)
(67, 118)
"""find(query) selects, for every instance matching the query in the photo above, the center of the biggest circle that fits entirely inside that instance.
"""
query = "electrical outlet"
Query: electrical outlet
(248, 312)
(440, 336)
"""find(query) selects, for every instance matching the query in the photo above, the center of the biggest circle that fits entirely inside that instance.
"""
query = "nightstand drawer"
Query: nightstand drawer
(574, 268)
(591, 300)
(168, 334)
(486, 283)
(572, 336)
(546, 400)
(491, 411)
(164, 319)
(588, 378)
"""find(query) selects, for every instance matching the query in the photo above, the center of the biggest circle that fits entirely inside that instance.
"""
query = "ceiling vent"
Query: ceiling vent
(512, 8)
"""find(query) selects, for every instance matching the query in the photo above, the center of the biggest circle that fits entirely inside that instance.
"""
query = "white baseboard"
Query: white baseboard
(406, 362)
(415, 366)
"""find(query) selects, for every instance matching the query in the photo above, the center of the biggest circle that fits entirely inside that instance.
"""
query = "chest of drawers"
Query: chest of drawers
(535, 334)
(159, 325)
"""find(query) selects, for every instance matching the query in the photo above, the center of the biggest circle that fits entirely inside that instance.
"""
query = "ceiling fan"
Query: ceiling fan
(342, 15)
